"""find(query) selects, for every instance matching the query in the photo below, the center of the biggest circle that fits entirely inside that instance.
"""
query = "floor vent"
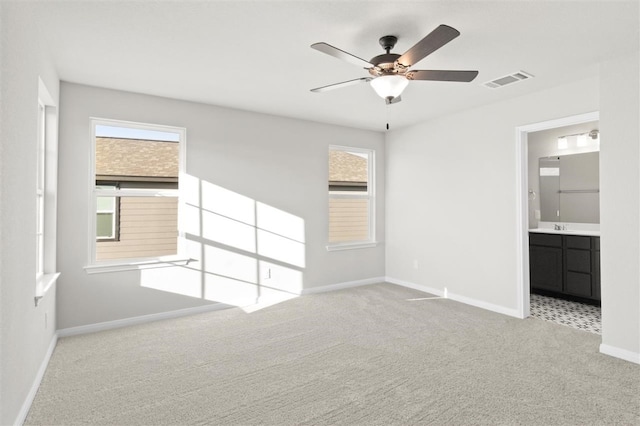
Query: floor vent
(508, 79)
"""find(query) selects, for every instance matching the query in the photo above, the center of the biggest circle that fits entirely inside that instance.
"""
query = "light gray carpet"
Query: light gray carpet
(364, 356)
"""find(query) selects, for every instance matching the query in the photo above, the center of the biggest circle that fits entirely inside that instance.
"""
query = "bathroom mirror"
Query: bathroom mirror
(570, 188)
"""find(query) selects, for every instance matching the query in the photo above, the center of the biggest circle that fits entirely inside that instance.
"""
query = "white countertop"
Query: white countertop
(589, 229)
(566, 231)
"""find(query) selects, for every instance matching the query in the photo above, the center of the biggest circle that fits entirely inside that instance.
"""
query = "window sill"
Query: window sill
(161, 262)
(43, 284)
(351, 246)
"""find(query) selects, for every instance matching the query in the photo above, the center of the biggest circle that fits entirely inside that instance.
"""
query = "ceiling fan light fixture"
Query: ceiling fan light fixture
(387, 86)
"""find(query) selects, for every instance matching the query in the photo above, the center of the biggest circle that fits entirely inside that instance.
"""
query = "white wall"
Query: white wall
(23, 336)
(620, 205)
(277, 162)
(452, 195)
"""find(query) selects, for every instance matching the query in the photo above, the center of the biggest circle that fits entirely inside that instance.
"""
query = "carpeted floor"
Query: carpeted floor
(363, 356)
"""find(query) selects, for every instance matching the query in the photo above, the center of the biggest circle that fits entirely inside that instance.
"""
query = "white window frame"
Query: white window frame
(46, 192)
(370, 195)
(180, 258)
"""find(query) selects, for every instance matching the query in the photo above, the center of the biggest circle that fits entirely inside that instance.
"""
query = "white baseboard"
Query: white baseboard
(341, 286)
(485, 305)
(424, 289)
(26, 405)
(458, 298)
(620, 353)
(108, 325)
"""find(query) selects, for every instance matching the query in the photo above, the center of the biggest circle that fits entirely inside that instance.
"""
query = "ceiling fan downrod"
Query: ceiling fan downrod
(388, 42)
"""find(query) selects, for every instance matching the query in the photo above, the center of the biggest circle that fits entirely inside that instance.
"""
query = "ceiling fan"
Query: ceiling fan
(390, 73)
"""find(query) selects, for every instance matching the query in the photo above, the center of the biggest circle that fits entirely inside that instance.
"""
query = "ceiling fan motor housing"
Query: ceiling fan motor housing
(385, 64)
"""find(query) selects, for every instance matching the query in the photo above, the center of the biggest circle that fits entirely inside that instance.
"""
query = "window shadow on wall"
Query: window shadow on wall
(247, 252)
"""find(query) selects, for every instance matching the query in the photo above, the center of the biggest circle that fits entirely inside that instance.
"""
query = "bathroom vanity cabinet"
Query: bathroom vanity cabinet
(565, 266)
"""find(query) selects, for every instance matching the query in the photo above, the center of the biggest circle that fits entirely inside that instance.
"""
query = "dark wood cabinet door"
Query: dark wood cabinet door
(545, 266)
(596, 271)
(578, 260)
(578, 284)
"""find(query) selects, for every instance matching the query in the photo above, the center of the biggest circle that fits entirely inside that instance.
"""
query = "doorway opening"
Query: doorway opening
(527, 218)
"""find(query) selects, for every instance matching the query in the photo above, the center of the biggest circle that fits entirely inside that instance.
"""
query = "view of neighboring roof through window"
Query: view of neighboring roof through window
(136, 182)
(347, 171)
(351, 202)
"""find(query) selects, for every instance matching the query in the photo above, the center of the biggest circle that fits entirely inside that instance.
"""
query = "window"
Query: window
(40, 190)
(46, 156)
(107, 215)
(134, 192)
(351, 198)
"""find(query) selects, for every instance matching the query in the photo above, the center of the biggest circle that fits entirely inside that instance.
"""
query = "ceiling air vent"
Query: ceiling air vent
(508, 79)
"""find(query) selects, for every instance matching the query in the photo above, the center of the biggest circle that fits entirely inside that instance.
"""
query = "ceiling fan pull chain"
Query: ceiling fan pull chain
(386, 109)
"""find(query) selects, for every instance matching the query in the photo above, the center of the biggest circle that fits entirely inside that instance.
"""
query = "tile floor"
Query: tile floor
(572, 314)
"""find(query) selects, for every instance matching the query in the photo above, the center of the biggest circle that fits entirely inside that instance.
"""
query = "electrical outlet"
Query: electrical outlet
(537, 213)
(415, 264)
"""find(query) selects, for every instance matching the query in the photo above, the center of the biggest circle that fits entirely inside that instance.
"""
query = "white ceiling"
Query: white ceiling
(255, 55)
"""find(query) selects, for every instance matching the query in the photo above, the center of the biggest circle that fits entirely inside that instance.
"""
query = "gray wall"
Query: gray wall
(276, 162)
(24, 339)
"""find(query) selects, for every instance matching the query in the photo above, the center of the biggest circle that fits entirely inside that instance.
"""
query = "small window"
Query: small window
(107, 215)
(351, 197)
(135, 191)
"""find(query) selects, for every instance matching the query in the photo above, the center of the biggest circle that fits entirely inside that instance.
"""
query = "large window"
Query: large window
(134, 195)
(40, 191)
(46, 156)
(351, 197)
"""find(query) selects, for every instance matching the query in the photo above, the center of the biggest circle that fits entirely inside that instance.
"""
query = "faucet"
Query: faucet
(559, 227)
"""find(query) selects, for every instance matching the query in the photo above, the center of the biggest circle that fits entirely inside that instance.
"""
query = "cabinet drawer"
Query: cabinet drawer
(578, 284)
(578, 260)
(574, 241)
(550, 240)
